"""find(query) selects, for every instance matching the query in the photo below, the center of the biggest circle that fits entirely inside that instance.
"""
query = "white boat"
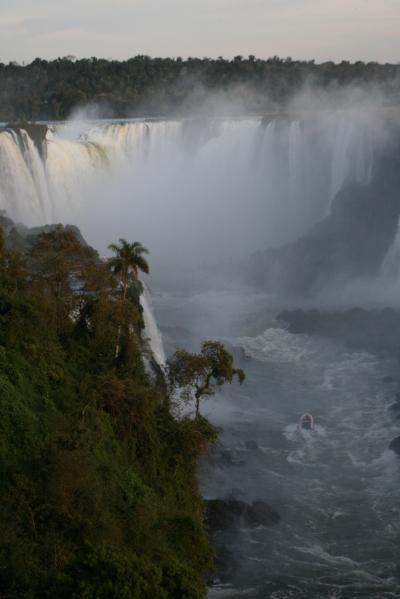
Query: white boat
(306, 422)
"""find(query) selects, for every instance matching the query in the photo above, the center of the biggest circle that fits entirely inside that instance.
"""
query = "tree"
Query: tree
(200, 375)
(126, 263)
(60, 266)
(128, 260)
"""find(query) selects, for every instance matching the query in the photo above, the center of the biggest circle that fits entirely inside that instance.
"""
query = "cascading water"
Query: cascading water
(151, 330)
(23, 183)
(275, 178)
(198, 190)
(352, 156)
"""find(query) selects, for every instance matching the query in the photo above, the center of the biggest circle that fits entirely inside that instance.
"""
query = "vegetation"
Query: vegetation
(161, 86)
(98, 480)
(128, 258)
(199, 375)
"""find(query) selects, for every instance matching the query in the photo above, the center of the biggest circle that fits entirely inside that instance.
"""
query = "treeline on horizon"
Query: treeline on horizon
(52, 90)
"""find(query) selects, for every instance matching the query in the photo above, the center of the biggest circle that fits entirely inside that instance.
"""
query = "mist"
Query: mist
(213, 189)
(246, 218)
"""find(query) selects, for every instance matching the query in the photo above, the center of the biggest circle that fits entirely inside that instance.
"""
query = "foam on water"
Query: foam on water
(336, 486)
(278, 345)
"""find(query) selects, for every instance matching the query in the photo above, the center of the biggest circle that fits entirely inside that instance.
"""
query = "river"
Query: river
(336, 488)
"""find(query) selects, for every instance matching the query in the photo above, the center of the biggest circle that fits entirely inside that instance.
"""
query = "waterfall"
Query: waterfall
(23, 185)
(352, 158)
(298, 170)
(204, 183)
(151, 330)
(390, 268)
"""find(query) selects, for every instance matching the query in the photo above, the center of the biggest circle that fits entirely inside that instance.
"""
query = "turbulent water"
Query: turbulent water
(212, 190)
(336, 488)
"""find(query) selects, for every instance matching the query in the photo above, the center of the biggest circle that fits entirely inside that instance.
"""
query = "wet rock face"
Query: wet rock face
(335, 249)
(395, 408)
(395, 445)
(226, 564)
(35, 131)
(251, 445)
(223, 514)
(225, 518)
(358, 328)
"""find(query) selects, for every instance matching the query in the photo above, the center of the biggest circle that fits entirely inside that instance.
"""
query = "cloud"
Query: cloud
(350, 29)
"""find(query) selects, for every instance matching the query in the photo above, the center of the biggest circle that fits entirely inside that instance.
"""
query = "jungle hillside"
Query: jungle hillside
(145, 86)
(98, 487)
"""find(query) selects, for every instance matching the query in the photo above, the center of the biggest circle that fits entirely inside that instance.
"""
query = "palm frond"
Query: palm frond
(142, 264)
(128, 255)
(114, 247)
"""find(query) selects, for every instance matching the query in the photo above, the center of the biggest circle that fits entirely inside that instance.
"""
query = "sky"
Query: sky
(367, 30)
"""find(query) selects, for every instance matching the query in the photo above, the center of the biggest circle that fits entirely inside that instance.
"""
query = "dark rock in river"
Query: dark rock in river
(223, 514)
(252, 445)
(226, 564)
(224, 457)
(372, 330)
(395, 445)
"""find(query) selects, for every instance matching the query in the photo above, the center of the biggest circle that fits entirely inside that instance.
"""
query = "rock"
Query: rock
(262, 514)
(226, 564)
(20, 238)
(395, 445)
(36, 132)
(224, 518)
(358, 328)
(252, 445)
(223, 514)
(335, 249)
(227, 458)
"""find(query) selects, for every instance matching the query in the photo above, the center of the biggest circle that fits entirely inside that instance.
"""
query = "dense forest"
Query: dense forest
(98, 488)
(144, 86)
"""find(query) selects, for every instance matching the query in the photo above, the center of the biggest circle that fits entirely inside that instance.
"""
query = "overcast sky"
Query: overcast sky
(304, 29)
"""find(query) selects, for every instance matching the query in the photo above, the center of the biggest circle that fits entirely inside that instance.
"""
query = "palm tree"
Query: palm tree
(128, 259)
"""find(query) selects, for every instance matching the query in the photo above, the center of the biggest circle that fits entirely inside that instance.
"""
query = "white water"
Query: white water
(336, 487)
(151, 330)
(195, 189)
(186, 181)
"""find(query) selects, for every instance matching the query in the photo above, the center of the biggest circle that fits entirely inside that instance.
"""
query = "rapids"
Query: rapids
(336, 488)
(214, 190)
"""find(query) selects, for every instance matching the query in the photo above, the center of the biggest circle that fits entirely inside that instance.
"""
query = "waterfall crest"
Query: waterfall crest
(288, 170)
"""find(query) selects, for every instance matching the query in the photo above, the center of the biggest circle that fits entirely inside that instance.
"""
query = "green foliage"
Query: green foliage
(51, 90)
(60, 266)
(128, 260)
(198, 375)
(98, 480)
